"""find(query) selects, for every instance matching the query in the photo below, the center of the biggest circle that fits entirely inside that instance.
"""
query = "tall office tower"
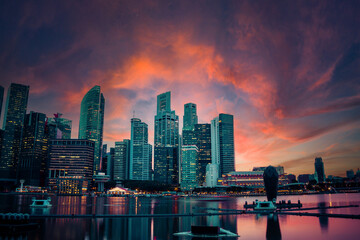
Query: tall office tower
(70, 158)
(15, 111)
(105, 159)
(140, 151)
(92, 121)
(203, 142)
(212, 174)
(34, 150)
(121, 161)
(110, 166)
(1, 100)
(222, 143)
(190, 117)
(59, 128)
(319, 170)
(166, 142)
(188, 168)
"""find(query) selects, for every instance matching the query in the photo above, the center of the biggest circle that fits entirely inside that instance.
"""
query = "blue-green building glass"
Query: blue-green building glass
(188, 168)
(166, 142)
(203, 142)
(92, 121)
(140, 151)
(15, 110)
(222, 143)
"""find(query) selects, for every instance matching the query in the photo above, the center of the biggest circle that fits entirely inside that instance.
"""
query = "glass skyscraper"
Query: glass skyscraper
(319, 170)
(140, 151)
(188, 168)
(203, 142)
(222, 143)
(92, 121)
(15, 110)
(190, 117)
(121, 162)
(34, 150)
(166, 141)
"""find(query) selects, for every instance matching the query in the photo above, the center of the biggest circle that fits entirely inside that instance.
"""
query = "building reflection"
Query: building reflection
(324, 220)
(273, 231)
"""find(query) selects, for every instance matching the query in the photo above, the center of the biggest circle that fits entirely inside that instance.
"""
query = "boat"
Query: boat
(16, 222)
(41, 203)
(265, 206)
(207, 232)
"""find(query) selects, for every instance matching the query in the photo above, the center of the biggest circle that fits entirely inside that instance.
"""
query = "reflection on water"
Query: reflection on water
(247, 226)
(273, 228)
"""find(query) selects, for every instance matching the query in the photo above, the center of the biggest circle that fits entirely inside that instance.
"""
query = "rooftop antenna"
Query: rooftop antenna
(134, 114)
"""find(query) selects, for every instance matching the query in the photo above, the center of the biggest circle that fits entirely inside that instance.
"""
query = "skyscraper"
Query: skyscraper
(140, 151)
(92, 121)
(319, 170)
(188, 167)
(71, 158)
(203, 142)
(190, 117)
(59, 128)
(1, 100)
(222, 143)
(15, 110)
(34, 150)
(121, 161)
(166, 142)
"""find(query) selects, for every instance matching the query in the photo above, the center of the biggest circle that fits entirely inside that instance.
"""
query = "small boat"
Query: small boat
(16, 222)
(41, 203)
(207, 232)
(265, 206)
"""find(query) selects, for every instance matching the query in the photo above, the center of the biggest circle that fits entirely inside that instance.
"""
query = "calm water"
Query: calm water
(247, 226)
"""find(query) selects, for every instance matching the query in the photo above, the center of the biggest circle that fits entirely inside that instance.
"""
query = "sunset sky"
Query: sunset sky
(289, 71)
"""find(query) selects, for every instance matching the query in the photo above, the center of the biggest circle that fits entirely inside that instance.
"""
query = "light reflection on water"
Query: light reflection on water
(247, 226)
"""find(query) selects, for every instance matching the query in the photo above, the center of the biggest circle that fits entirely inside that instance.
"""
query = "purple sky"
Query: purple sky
(289, 71)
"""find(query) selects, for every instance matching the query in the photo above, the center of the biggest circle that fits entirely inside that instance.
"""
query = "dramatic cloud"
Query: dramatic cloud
(288, 71)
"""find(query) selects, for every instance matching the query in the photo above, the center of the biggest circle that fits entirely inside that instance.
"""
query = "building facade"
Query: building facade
(212, 174)
(319, 170)
(70, 158)
(190, 116)
(222, 143)
(188, 167)
(1, 100)
(92, 121)
(15, 111)
(166, 142)
(121, 161)
(203, 143)
(140, 151)
(34, 150)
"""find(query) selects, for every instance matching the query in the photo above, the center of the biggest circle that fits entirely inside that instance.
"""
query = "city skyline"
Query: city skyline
(294, 96)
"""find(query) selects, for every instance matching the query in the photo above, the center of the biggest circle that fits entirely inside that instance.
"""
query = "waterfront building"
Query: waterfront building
(248, 179)
(140, 151)
(71, 185)
(166, 142)
(222, 143)
(34, 150)
(59, 128)
(167, 165)
(305, 178)
(105, 159)
(110, 166)
(1, 101)
(279, 169)
(291, 177)
(203, 142)
(188, 168)
(92, 121)
(121, 161)
(15, 111)
(212, 174)
(350, 174)
(319, 170)
(70, 158)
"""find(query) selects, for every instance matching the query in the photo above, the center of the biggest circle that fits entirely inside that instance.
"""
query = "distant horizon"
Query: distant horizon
(289, 73)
